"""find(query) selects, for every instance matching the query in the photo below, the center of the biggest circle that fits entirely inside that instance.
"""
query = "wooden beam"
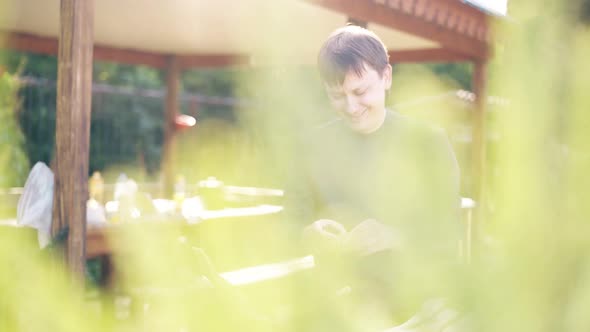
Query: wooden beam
(47, 45)
(427, 55)
(212, 60)
(168, 153)
(72, 133)
(132, 57)
(452, 24)
(29, 43)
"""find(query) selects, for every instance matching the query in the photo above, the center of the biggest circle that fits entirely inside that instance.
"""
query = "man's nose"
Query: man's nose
(353, 106)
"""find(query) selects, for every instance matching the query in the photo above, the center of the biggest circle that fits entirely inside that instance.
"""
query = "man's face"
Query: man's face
(360, 100)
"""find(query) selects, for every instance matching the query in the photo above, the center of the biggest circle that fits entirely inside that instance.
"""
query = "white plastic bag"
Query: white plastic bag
(95, 214)
(35, 204)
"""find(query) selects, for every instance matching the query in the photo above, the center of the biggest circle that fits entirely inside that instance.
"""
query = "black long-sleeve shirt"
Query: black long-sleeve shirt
(405, 175)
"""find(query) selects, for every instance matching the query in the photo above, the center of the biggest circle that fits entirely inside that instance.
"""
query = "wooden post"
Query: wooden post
(479, 143)
(72, 132)
(168, 158)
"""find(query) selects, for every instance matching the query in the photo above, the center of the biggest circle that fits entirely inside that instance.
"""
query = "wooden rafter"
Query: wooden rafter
(212, 60)
(427, 55)
(46, 45)
(133, 57)
(456, 26)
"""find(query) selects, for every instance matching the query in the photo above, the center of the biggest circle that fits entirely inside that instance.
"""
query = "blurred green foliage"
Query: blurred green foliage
(14, 164)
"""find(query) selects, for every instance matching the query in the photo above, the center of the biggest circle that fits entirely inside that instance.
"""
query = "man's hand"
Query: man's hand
(371, 236)
(324, 235)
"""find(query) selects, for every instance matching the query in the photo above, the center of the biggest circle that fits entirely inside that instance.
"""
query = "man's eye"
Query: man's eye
(360, 93)
(336, 96)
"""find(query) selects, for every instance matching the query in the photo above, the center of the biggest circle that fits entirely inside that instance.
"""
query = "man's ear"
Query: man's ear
(387, 72)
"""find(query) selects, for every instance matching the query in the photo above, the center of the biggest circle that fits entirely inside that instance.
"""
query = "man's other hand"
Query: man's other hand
(371, 236)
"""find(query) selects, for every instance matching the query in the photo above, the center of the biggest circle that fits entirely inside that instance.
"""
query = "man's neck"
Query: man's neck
(378, 124)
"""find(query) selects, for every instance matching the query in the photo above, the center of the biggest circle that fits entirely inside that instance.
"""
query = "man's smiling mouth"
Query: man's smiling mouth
(357, 118)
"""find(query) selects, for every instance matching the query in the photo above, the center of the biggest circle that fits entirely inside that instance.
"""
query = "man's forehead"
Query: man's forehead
(353, 80)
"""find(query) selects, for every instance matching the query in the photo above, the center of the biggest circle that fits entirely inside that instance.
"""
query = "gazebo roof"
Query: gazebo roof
(223, 32)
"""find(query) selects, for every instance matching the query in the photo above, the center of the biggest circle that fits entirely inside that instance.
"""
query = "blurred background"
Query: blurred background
(185, 212)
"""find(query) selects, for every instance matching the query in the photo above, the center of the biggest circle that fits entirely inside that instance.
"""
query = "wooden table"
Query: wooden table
(108, 242)
(97, 239)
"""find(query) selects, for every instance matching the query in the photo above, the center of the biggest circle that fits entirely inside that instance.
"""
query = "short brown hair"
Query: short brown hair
(351, 48)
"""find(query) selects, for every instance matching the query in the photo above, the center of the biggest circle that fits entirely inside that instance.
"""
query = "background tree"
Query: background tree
(14, 164)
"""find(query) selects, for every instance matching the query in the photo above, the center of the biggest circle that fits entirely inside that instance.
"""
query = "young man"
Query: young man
(379, 180)
(378, 189)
